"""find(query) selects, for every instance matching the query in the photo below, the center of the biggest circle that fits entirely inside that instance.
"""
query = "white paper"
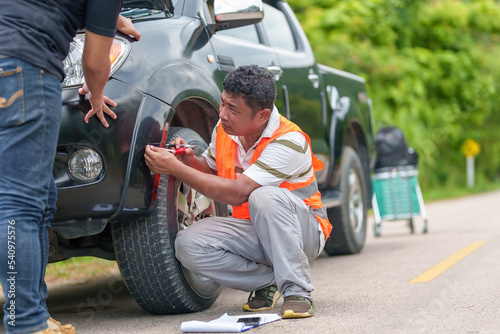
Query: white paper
(209, 327)
(226, 324)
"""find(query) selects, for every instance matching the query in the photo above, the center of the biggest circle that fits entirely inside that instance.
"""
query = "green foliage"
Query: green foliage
(431, 68)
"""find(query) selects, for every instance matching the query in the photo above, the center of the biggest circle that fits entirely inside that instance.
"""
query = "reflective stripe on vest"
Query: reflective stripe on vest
(226, 151)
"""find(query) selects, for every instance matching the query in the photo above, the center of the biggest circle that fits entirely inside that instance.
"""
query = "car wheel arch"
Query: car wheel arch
(352, 135)
(177, 81)
(198, 114)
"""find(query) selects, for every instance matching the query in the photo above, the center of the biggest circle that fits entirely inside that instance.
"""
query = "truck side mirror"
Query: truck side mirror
(236, 13)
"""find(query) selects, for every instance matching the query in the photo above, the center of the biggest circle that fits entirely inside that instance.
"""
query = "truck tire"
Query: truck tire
(349, 219)
(145, 248)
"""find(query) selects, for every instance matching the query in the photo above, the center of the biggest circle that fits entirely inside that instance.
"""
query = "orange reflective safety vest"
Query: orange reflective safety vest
(225, 157)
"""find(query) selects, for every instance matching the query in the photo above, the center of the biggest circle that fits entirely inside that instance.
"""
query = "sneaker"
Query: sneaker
(264, 299)
(296, 307)
(55, 327)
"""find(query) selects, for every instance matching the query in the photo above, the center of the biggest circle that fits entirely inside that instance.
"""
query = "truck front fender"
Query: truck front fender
(177, 81)
(167, 88)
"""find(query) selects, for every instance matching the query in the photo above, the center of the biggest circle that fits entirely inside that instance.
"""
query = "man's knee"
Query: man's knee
(191, 248)
(183, 251)
(265, 198)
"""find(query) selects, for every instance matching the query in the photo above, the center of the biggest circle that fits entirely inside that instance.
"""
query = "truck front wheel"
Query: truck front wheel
(145, 248)
(349, 219)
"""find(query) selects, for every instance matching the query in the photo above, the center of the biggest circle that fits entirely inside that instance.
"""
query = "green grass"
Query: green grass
(78, 268)
(449, 192)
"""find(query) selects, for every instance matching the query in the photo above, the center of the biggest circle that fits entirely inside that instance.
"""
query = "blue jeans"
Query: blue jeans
(30, 116)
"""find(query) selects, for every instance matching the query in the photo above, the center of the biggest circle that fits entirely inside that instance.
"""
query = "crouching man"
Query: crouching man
(261, 164)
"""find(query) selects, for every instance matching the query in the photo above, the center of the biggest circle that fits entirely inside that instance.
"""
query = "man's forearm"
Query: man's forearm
(96, 73)
(199, 163)
(193, 172)
(96, 66)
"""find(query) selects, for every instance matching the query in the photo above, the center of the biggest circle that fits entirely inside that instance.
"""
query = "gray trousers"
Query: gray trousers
(276, 245)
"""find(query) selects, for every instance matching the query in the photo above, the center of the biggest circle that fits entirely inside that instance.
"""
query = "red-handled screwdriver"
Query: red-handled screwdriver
(181, 150)
(182, 145)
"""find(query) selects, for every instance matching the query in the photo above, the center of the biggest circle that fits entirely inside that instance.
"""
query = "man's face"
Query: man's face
(236, 116)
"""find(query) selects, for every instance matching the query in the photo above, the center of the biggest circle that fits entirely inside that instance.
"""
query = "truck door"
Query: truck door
(299, 82)
(241, 46)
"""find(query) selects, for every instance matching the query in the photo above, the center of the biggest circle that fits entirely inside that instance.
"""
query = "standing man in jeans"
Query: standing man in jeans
(34, 39)
(262, 164)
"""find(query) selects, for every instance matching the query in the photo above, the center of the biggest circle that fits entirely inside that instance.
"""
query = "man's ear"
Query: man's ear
(265, 114)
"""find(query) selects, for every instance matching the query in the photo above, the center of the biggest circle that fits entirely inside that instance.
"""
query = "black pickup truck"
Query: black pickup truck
(169, 85)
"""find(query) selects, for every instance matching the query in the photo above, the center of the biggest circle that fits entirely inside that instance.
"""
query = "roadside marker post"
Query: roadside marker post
(470, 149)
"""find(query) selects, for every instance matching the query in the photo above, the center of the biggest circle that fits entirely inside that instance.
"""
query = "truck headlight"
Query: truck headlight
(73, 62)
(85, 164)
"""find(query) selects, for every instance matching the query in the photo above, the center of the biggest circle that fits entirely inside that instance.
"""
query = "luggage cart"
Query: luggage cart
(396, 191)
(397, 196)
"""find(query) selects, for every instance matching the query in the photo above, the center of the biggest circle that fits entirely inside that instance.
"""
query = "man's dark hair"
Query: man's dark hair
(255, 84)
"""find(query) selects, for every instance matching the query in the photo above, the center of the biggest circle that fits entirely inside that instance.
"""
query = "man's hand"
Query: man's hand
(96, 66)
(84, 90)
(188, 154)
(161, 161)
(125, 26)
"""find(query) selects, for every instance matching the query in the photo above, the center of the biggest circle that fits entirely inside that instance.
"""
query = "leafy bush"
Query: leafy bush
(431, 68)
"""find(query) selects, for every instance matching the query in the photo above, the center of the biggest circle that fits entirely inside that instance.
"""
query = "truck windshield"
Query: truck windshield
(142, 8)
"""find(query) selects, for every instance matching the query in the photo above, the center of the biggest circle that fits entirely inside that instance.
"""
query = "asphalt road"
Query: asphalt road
(370, 292)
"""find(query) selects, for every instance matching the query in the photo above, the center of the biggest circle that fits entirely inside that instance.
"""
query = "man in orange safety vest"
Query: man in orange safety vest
(262, 165)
